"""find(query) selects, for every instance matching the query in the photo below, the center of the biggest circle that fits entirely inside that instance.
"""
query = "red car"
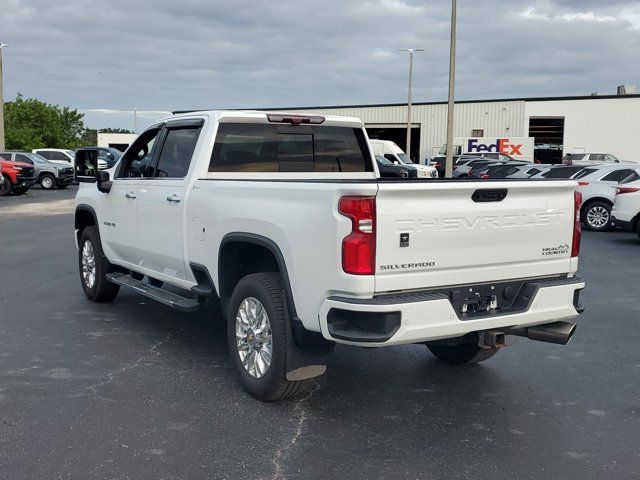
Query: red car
(17, 177)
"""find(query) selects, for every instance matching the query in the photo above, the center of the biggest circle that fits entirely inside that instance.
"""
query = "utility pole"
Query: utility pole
(135, 120)
(411, 51)
(2, 46)
(448, 169)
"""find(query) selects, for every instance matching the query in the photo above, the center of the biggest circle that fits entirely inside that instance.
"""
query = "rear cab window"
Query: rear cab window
(281, 147)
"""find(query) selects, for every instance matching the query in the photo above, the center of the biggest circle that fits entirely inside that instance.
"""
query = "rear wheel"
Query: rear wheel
(48, 181)
(5, 186)
(596, 216)
(258, 335)
(94, 267)
(461, 354)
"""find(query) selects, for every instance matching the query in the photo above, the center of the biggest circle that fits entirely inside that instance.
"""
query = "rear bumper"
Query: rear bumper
(423, 316)
(622, 224)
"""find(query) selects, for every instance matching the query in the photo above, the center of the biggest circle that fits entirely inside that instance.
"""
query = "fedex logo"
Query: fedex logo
(502, 145)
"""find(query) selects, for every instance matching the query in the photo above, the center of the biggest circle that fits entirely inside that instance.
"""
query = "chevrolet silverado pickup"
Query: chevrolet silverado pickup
(284, 220)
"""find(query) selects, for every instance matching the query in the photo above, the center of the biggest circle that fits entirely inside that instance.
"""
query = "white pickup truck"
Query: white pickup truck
(284, 220)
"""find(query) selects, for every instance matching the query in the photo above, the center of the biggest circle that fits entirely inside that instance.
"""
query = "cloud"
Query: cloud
(120, 55)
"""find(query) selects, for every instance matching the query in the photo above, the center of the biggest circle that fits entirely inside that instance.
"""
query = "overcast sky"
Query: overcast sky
(166, 55)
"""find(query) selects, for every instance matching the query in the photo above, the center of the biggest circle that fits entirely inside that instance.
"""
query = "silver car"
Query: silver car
(597, 185)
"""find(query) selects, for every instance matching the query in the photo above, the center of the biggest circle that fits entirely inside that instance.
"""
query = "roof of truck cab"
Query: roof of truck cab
(260, 114)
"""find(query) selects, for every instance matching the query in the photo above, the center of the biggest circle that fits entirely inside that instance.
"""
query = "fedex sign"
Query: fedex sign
(502, 145)
(516, 147)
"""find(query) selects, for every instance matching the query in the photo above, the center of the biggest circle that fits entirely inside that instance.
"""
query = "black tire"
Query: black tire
(102, 289)
(20, 190)
(5, 187)
(638, 229)
(62, 187)
(268, 289)
(462, 354)
(47, 181)
(598, 210)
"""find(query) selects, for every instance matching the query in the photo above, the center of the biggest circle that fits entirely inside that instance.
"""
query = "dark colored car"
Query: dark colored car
(388, 169)
(560, 172)
(496, 170)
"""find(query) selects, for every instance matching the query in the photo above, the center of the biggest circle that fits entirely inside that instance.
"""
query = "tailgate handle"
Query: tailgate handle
(489, 195)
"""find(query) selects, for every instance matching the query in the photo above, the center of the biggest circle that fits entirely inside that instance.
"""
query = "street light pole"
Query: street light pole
(411, 52)
(2, 46)
(448, 169)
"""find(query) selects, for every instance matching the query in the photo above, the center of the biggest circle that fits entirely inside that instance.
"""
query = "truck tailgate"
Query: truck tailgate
(432, 234)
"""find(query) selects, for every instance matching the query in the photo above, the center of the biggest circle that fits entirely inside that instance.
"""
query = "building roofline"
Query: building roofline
(491, 100)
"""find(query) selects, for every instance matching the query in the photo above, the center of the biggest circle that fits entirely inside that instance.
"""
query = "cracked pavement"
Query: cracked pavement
(134, 390)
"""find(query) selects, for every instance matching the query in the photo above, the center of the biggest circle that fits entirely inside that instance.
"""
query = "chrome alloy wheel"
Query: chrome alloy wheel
(597, 217)
(253, 337)
(88, 264)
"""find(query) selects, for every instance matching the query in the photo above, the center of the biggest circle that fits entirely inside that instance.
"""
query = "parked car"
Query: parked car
(597, 185)
(48, 174)
(56, 155)
(559, 172)
(528, 170)
(588, 158)
(464, 169)
(626, 207)
(389, 169)
(394, 154)
(19, 177)
(439, 163)
(497, 170)
(302, 255)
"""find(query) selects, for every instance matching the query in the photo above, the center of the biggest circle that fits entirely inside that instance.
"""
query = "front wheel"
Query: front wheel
(94, 267)
(461, 354)
(258, 335)
(20, 190)
(597, 217)
(48, 181)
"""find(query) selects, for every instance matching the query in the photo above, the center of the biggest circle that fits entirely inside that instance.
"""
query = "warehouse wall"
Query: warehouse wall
(598, 126)
(496, 118)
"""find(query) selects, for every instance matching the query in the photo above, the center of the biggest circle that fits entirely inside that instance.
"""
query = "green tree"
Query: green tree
(115, 130)
(30, 123)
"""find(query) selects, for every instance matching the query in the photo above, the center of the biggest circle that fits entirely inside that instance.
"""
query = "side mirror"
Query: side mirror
(104, 184)
(86, 166)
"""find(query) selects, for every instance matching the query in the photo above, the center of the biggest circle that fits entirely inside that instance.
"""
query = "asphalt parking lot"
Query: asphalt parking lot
(135, 390)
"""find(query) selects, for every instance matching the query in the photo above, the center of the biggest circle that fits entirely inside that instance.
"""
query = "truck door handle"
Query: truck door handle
(130, 195)
(174, 198)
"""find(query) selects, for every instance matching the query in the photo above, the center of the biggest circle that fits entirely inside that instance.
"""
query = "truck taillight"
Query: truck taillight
(359, 247)
(621, 190)
(577, 231)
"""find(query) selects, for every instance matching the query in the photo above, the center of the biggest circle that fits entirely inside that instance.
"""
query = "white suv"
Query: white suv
(56, 155)
(626, 208)
(597, 185)
(589, 158)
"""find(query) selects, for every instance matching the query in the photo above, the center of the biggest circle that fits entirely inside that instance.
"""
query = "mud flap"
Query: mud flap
(306, 354)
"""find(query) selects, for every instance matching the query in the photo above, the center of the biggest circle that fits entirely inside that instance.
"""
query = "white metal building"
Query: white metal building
(116, 140)
(560, 125)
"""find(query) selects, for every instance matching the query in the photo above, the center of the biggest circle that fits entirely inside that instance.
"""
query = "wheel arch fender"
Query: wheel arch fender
(84, 216)
(225, 287)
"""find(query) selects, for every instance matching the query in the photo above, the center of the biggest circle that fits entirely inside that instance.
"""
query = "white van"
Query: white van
(394, 153)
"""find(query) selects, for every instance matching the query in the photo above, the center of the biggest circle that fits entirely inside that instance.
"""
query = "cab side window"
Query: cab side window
(177, 151)
(23, 159)
(137, 162)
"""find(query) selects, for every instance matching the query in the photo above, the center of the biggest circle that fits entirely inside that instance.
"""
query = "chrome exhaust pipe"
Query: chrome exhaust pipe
(556, 332)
